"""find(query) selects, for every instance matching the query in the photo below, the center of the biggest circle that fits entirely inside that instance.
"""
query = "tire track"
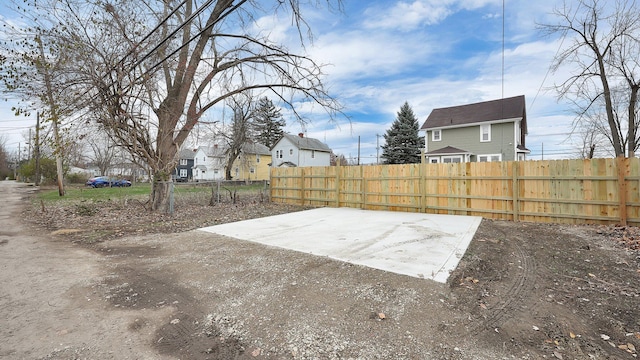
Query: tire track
(517, 293)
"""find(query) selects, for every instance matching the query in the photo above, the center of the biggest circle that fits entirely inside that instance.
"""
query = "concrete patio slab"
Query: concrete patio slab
(414, 244)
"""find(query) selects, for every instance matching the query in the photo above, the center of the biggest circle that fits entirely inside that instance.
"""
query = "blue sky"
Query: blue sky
(430, 53)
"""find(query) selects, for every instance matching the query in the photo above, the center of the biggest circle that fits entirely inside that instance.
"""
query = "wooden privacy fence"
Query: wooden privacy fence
(597, 191)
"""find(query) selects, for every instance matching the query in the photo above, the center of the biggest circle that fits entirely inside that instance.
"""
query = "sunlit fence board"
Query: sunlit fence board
(601, 191)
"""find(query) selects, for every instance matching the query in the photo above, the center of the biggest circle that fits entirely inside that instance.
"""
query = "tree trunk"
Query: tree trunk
(54, 119)
(160, 195)
(632, 120)
(618, 148)
(233, 156)
(165, 160)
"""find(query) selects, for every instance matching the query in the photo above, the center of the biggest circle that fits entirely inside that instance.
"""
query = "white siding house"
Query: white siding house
(208, 163)
(292, 150)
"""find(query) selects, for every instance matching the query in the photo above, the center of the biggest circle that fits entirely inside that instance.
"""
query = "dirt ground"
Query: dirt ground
(121, 283)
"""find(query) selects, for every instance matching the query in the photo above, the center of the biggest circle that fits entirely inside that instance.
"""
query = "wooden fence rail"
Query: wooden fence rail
(597, 191)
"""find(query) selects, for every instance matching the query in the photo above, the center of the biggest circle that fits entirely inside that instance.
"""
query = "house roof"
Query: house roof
(448, 150)
(287, 164)
(521, 148)
(255, 148)
(494, 110)
(305, 143)
(186, 154)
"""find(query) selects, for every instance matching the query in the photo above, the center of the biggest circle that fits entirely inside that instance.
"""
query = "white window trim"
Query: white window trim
(433, 135)
(489, 156)
(485, 126)
(459, 157)
(431, 160)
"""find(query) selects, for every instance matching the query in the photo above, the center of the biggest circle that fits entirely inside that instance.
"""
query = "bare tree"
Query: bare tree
(103, 152)
(236, 135)
(5, 170)
(603, 52)
(33, 71)
(151, 82)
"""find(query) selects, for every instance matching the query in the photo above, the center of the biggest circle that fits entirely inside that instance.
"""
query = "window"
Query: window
(183, 161)
(281, 151)
(313, 154)
(215, 171)
(434, 160)
(485, 133)
(451, 159)
(183, 173)
(258, 158)
(436, 135)
(490, 158)
(290, 151)
(252, 170)
(237, 171)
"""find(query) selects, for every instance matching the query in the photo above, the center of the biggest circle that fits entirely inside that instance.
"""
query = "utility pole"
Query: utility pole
(36, 149)
(358, 149)
(17, 164)
(377, 149)
(29, 143)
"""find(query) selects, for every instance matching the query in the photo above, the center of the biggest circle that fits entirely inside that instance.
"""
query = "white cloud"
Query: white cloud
(407, 15)
(359, 54)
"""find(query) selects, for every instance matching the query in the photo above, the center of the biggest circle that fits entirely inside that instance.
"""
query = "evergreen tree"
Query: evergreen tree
(267, 123)
(403, 144)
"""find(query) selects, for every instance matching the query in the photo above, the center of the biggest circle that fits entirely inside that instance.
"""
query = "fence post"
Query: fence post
(422, 182)
(516, 191)
(363, 185)
(467, 185)
(338, 169)
(302, 186)
(622, 164)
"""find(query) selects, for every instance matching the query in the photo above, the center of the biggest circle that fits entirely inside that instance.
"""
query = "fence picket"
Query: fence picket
(601, 191)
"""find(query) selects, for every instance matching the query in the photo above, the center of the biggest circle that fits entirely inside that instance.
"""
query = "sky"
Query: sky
(429, 53)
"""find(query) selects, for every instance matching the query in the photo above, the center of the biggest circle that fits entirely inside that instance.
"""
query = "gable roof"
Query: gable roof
(305, 143)
(493, 110)
(448, 150)
(255, 148)
(186, 154)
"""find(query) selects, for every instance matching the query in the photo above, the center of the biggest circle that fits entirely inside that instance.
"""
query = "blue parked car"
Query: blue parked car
(99, 182)
(104, 181)
(121, 182)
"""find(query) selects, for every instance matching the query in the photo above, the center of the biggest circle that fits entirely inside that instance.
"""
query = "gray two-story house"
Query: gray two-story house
(487, 131)
(183, 171)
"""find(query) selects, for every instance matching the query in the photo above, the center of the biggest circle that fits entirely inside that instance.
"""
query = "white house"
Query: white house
(293, 150)
(208, 163)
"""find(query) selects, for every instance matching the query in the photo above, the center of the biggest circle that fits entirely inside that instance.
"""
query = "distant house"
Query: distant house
(184, 168)
(128, 170)
(487, 131)
(208, 163)
(299, 150)
(252, 163)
